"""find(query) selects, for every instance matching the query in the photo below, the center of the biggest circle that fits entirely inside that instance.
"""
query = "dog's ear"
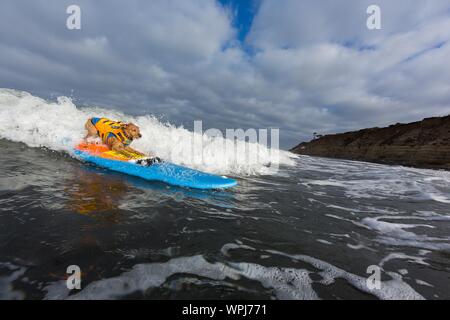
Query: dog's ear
(132, 125)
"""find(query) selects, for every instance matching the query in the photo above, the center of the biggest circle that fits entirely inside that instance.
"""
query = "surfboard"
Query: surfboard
(151, 169)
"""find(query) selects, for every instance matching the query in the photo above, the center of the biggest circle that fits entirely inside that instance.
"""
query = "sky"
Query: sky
(302, 66)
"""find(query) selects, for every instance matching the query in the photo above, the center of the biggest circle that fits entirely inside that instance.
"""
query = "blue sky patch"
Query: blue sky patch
(243, 14)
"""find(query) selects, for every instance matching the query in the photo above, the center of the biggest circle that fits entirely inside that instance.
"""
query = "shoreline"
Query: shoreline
(423, 144)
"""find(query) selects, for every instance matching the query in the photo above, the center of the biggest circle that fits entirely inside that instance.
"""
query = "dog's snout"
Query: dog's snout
(140, 135)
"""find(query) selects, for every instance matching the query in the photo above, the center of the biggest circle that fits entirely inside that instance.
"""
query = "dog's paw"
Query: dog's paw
(146, 162)
(94, 140)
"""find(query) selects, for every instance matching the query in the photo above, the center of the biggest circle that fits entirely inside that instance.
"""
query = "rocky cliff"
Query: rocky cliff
(424, 144)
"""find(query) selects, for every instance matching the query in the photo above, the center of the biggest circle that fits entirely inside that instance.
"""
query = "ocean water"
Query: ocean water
(309, 230)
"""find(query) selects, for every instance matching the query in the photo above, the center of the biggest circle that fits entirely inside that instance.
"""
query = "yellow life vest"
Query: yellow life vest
(107, 128)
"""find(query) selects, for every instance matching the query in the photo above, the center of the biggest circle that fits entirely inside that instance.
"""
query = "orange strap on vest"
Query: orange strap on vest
(107, 128)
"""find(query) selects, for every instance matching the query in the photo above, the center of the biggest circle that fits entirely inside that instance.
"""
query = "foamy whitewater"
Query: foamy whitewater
(312, 229)
(59, 126)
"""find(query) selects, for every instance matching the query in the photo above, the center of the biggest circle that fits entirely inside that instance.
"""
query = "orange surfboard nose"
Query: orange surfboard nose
(92, 148)
(102, 151)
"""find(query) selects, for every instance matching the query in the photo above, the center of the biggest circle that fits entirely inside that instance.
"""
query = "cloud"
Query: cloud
(350, 76)
(293, 23)
(304, 66)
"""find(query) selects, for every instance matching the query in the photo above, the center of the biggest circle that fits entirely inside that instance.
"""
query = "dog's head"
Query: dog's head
(132, 130)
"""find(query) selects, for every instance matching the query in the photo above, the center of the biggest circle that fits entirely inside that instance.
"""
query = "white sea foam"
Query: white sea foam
(286, 283)
(230, 246)
(59, 125)
(361, 180)
(402, 256)
(396, 230)
(324, 241)
(395, 234)
(424, 283)
(395, 288)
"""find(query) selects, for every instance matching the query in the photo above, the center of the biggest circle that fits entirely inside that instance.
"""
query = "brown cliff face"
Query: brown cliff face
(424, 144)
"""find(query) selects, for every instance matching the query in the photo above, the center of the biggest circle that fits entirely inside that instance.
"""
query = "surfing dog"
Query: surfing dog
(116, 135)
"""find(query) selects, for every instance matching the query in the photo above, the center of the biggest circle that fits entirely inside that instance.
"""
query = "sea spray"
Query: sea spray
(59, 125)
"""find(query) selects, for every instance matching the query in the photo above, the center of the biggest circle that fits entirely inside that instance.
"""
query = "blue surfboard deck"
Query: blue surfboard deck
(166, 172)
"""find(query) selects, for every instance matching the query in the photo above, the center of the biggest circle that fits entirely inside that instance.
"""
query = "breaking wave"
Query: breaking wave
(59, 125)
